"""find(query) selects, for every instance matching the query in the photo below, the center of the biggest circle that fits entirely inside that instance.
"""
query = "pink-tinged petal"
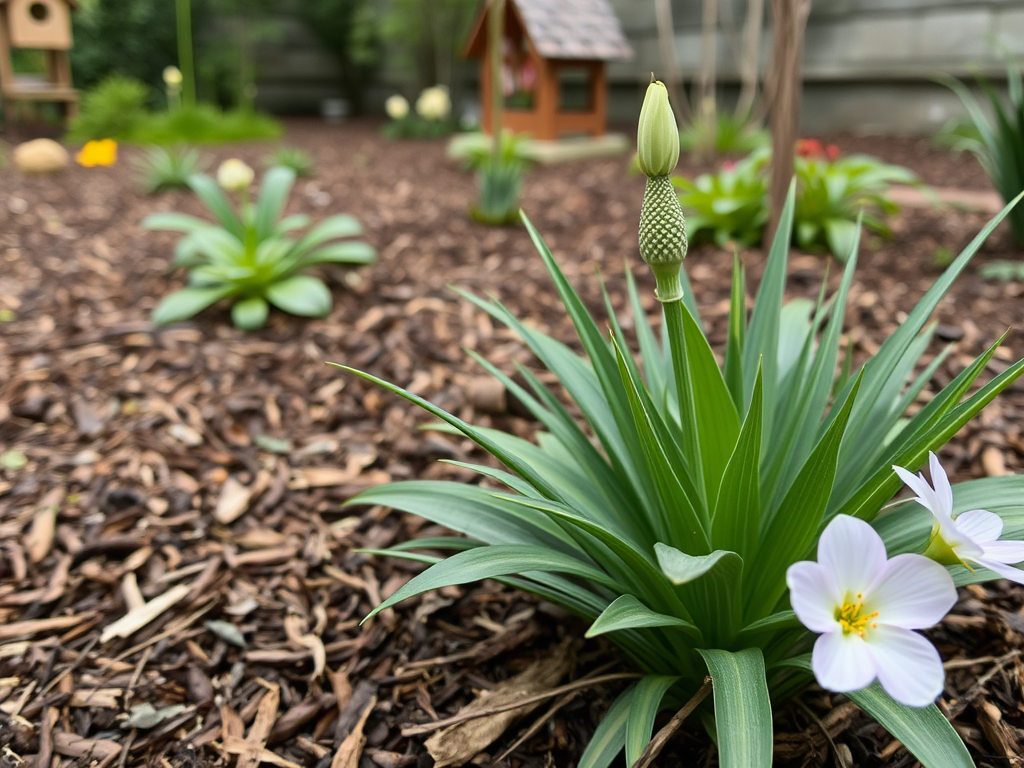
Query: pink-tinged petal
(1004, 570)
(912, 592)
(1007, 551)
(852, 552)
(940, 482)
(980, 526)
(814, 596)
(925, 495)
(909, 667)
(842, 662)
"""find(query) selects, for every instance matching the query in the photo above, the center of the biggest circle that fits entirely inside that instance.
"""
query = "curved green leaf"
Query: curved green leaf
(342, 253)
(647, 697)
(274, 190)
(301, 295)
(250, 314)
(183, 304)
(626, 612)
(610, 736)
(743, 711)
(206, 189)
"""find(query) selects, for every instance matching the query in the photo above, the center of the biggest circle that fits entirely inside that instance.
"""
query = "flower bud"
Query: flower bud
(234, 175)
(172, 75)
(657, 137)
(397, 107)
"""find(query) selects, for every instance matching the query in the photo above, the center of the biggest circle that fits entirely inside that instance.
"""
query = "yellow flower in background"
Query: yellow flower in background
(396, 106)
(234, 175)
(172, 75)
(434, 103)
(102, 152)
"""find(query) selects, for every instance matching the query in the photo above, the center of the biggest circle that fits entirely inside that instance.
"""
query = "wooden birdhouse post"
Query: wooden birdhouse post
(553, 50)
(39, 24)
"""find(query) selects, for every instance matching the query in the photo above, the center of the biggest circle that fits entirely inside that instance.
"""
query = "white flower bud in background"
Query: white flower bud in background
(234, 175)
(657, 136)
(172, 76)
(397, 107)
(434, 103)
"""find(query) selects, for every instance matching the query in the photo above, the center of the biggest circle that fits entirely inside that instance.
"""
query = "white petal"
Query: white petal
(912, 592)
(1005, 551)
(1004, 570)
(852, 551)
(814, 596)
(940, 482)
(916, 483)
(980, 526)
(909, 667)
(842, 662)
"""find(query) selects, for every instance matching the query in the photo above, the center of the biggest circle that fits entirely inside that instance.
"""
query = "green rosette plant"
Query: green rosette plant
(250, 255)
(680, 511)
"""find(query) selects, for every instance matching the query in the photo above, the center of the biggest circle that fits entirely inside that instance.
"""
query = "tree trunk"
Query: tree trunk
(789, 19)
(750, 58)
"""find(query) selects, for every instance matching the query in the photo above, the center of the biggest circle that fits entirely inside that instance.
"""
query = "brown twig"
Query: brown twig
(661, 737)
(972, 693)
(414, 730)
(536, 725)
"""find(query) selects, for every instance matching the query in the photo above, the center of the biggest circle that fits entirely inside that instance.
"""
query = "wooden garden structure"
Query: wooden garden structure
(44, 25)
(551, 49)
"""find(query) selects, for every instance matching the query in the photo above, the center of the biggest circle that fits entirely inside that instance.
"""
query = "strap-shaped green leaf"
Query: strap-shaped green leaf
(743, 711)
(490, 562)
(710, 588)
(647, 697)
(610, 737)
(274, 189)
(206, 189)
(626, 612)
(922, 730)
(737, 333)
(737, 520)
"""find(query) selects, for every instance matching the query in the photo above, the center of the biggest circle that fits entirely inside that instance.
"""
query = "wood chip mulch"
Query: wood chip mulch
(179, 582)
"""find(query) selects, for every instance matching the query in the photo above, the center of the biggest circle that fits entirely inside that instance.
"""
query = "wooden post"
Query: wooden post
(495, 57)
(789, 19)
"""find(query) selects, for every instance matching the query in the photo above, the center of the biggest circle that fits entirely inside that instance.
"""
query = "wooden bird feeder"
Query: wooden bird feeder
(554, 58)
(44, 25)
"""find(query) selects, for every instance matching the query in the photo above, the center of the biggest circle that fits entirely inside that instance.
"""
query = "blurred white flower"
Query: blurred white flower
(234, 175)
(172, 75)
(397, 107)
(434, 103)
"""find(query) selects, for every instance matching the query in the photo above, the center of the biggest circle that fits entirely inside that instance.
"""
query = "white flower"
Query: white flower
(970, 537)
(234, 175)
(865, 607)
(434, 103)
(396, 106)
(172, 75)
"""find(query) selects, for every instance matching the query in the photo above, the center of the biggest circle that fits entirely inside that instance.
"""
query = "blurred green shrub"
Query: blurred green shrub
(296, 158)
(350, 31)
(110, 110)
(162, 168)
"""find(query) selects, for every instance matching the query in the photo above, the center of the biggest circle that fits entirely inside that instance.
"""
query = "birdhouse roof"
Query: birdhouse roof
(72, 3)
(567, 29)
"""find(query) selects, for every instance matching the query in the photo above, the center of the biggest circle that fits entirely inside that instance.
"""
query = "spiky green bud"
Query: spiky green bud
(657, 137)
(663, 236)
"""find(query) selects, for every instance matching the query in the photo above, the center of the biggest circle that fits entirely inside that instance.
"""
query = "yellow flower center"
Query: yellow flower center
(853, 618)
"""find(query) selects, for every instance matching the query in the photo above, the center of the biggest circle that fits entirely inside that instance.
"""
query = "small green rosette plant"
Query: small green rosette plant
(250, 255)
(733, 520)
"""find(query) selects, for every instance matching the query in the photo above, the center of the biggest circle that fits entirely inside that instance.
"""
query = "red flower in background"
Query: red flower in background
(809, 148)
(832, 152)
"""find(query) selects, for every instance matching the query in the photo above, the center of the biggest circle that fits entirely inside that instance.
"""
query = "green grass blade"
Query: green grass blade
(924, 731)
(647, 697)
(743, 711)
(737, 333)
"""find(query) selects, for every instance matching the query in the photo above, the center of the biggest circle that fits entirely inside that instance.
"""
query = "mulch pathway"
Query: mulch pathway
(198, 472)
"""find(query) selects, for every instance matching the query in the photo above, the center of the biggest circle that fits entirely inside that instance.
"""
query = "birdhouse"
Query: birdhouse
(554, 58)
(43, 25)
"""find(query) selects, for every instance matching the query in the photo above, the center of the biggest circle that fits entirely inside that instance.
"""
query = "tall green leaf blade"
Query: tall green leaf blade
(737, 520)
(610, 737)
(647, 698)
(743, 711)
(213, 198)
(737, 333)
(924, 731)
(274, 190)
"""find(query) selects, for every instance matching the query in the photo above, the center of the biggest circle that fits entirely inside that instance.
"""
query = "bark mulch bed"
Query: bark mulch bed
(201, 472)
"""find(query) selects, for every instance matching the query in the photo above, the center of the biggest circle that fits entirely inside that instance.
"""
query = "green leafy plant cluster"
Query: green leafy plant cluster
(296, 158)
(732, 204)
(251, 256)
(163, 168)
(669, 510)
(997, 141)
(116, 109)
(722, 133)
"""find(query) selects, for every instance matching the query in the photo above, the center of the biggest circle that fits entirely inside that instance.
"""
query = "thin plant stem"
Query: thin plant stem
(185, 57)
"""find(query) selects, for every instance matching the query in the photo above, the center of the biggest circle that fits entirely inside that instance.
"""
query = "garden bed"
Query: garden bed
(201, 457)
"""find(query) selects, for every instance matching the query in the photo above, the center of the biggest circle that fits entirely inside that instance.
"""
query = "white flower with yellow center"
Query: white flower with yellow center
(396, 106)
(970, 539)
(234, 175)
(865, 608)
